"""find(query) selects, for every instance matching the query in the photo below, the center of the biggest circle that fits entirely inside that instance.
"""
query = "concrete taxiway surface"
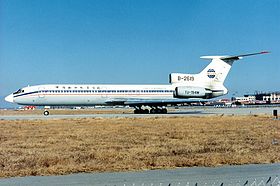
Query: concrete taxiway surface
(187, 111)
(228, 175)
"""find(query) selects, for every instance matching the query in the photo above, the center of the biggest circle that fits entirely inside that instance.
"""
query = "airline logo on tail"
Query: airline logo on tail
(211, 73)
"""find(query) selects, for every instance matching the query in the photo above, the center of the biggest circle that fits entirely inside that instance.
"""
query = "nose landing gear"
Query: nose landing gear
(46, 113)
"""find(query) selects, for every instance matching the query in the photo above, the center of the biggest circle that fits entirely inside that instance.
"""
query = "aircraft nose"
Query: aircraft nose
(9, 98)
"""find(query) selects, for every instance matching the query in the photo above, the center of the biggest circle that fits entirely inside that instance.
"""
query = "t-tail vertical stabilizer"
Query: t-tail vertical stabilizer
(212, 77)
(219, 67)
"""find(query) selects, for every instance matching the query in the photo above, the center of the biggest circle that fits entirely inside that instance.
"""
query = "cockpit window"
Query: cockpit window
(18, 91)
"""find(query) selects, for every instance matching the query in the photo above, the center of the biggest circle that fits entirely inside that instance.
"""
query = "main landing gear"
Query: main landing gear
(156, 110)
(141, 111)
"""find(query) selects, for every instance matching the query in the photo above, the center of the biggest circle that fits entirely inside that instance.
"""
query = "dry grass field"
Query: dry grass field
(48, 147)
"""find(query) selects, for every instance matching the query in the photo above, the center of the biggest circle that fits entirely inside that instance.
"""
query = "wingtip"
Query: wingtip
(265, 52)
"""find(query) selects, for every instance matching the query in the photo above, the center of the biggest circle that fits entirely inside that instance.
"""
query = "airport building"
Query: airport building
(246, 98)
(272, 97)
(259, 98)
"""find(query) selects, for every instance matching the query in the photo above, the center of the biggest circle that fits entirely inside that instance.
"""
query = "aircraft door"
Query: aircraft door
(41, 93)
(104, 93)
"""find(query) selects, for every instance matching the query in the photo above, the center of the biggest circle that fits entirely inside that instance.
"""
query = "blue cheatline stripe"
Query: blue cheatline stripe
(34, 92)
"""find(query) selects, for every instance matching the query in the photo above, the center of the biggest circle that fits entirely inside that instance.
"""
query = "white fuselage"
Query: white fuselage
(90, 94)
(204, 85)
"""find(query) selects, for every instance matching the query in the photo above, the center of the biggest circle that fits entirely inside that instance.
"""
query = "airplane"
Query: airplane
(153, 99)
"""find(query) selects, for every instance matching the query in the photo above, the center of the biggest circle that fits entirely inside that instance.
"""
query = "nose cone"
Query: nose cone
(9, 98)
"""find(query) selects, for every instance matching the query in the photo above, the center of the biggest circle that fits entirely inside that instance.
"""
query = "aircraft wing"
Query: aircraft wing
(154, 102)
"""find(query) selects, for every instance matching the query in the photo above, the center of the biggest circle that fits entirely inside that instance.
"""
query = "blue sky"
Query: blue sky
(136, 42)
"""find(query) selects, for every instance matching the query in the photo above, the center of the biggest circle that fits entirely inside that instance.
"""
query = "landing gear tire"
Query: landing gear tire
(46, 113)
(153, 111)
(158, 111)
(140, 111)
(146, 111)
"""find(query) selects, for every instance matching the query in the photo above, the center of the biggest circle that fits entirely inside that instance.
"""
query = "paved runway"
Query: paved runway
(228, 175)
(187, 111)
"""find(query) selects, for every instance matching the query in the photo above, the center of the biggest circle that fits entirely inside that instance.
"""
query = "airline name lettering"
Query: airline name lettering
(185, 78)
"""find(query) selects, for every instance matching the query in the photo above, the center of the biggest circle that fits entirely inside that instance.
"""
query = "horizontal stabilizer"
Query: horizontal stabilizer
(229, 58)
